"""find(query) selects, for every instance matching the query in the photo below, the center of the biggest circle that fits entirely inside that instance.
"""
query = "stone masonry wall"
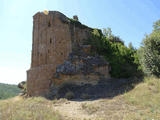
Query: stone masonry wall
(54, 37)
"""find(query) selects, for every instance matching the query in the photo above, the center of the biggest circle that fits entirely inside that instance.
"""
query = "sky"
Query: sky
(128, 19)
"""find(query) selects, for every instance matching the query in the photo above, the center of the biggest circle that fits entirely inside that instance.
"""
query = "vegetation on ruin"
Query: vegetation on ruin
(138, 102)
(122, 59)
(128, 61)
(77, 23)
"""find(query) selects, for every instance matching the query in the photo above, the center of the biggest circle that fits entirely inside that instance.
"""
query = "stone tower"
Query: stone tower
(75, 17)
(54, 37)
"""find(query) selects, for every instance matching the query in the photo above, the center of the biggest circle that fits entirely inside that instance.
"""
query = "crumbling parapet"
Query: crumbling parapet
(75, 17)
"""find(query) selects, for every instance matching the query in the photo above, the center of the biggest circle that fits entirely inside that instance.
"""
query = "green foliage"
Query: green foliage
(8, 91)
(121, 58)
(85, 96)
(109, 36)
(121, 61)
(130, 46)
(108, 33)
(69, 95)
(74, 21)
(150, 54)
(156, 26)
(25, 88)
(137, 61)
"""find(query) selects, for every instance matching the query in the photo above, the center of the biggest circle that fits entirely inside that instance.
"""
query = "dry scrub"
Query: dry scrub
(141, 103)
(27, 109)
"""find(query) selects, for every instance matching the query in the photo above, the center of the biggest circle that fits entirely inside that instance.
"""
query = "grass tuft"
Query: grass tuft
(36, 108)
(145, 97)
(89, 108)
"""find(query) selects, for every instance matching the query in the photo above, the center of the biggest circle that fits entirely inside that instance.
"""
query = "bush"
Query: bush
(85, 96)
(69, 95)
(150, 54)
(121, 60)
(23, 86)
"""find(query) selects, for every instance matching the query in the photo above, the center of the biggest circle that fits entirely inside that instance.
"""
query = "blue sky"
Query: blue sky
(128, 19)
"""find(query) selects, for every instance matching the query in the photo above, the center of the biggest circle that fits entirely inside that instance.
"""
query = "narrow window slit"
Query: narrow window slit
(49, 24)
(50, 40)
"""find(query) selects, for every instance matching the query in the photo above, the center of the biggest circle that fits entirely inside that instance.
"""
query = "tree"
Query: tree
(120, 57)
(156, 26)
(150, 54)
(130, 46)
(107, 33)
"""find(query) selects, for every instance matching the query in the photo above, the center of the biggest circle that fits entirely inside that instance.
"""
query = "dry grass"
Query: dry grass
(146, 98)
(27, 109)
(141, 103)
(89, 108)
(60, 101)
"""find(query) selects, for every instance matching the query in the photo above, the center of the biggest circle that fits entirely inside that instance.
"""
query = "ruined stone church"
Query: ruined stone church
(60, 54)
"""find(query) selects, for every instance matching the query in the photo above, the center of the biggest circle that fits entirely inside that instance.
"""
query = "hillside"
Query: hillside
(140, 103)
(8, 91)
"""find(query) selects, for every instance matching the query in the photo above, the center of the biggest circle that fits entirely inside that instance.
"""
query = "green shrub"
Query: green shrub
(85, 96)
(69, 95)
(123, 60)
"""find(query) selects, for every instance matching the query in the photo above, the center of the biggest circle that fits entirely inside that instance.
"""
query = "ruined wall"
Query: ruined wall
(79, 33)
(54, 36)
(51, 39)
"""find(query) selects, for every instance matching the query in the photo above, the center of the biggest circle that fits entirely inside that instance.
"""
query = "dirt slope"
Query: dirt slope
(102, 109)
